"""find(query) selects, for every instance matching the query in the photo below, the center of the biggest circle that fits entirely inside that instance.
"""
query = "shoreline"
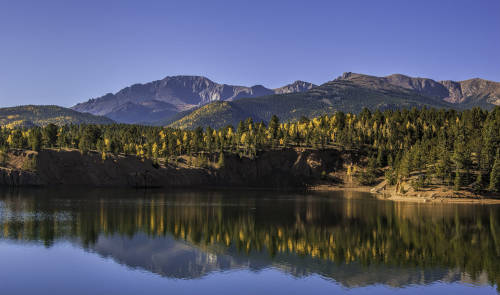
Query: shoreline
(387, 195)
(415, 197)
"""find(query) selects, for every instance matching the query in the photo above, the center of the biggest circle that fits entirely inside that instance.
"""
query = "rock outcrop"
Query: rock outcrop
(295, 87)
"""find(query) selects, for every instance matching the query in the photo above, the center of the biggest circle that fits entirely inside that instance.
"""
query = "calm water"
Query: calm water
(235, 242)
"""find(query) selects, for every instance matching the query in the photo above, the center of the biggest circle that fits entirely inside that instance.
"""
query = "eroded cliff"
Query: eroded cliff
(270, 169)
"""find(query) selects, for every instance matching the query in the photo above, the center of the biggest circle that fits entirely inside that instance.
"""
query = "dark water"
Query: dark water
(241, 242)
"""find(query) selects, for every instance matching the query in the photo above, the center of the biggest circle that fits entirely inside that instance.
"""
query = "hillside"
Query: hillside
(220, 113)
(30, 115)
(160, 100)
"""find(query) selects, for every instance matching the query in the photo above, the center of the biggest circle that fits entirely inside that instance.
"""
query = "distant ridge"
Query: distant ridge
(350, 92)
(164, 98)
(41, 115)
(184, 100)
(474, 92)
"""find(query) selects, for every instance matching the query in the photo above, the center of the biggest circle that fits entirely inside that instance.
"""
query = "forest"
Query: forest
(455, 148)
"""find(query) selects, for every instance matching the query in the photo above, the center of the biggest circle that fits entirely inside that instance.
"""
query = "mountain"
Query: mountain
(31, 115)
(150, 102)
(473, 92)
(180, 259)
(189, 101)
(349, 93)
(468, 93)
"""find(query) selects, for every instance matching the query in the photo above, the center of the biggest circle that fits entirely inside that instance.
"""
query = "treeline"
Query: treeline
(446, 146)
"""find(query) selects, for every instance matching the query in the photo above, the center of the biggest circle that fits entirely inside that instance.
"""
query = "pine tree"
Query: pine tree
(458, 181)
(50, 135)
(35, 139)
(15, 139)
(381, 158)
(405, 165)
(478, 184)
(274, 124)
(495, 174)
(221, 161)
(241, 128)
(369, 176)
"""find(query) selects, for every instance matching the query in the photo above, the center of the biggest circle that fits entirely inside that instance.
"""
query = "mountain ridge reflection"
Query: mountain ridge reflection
(352, 239)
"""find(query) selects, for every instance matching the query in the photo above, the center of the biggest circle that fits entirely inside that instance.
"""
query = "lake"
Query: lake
(81, 241)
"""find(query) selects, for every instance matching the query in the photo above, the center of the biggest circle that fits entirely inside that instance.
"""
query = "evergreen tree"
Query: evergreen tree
(35, 139)
(458, 180)
(221, 161)
(405, 165)
(369, 176)
(273, 126)
(381, 158)
(478, 184)
(495, 174)
(16, 139)
(50, 135)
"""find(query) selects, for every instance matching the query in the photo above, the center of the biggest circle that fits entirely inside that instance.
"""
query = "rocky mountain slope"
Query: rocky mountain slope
(150, 102)
(472, 92)
(30, 115)
(350, 93)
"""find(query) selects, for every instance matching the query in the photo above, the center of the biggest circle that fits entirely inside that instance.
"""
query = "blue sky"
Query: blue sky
(67, 51)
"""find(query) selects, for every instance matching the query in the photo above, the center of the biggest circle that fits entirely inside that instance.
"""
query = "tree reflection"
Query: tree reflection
(338, 230)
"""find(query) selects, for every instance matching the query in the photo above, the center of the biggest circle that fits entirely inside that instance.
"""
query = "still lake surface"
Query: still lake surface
(242, 242)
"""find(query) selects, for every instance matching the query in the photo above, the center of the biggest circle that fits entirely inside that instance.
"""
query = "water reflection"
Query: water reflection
(352, 239)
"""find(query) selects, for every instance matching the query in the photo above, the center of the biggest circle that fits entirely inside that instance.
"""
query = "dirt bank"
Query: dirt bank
(293, 168)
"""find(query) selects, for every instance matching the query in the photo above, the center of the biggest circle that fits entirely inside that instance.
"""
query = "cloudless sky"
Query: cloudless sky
(67, 51)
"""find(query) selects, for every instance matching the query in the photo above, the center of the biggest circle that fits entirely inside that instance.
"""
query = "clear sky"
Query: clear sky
(67, 51)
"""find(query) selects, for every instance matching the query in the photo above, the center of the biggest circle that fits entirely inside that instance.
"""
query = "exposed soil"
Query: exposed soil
(291, 168)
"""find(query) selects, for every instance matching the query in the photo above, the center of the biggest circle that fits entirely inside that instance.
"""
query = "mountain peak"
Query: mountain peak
(297, 86)
(187, 78)
(183, 92)
(351, 75)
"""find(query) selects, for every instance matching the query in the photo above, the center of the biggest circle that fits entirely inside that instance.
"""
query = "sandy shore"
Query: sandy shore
(479, 200)
(335, 188)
